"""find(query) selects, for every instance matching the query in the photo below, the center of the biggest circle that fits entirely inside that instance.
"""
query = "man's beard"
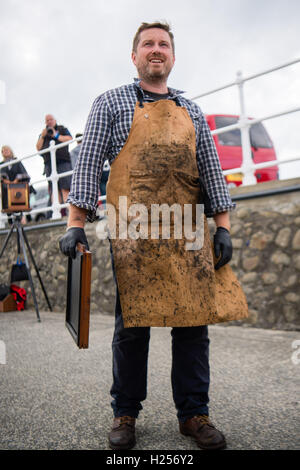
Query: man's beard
(154, 76)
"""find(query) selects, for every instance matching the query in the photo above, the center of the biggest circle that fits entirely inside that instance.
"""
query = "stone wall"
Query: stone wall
(53, 268)
(266, 260)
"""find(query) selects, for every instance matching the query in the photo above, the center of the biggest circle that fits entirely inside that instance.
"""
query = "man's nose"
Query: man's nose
(156, 49)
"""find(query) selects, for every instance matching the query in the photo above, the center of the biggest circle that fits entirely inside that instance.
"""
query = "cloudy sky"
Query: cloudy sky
(58, 56)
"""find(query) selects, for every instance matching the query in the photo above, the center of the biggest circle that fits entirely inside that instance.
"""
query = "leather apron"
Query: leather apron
(160, 282)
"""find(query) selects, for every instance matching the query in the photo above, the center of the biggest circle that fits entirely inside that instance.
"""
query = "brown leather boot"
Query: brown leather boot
(204, 432)
(122, 435)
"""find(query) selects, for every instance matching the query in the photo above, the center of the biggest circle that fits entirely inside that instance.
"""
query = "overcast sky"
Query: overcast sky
(58, 56)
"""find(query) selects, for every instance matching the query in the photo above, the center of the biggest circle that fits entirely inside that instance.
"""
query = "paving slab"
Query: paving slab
(55, 396)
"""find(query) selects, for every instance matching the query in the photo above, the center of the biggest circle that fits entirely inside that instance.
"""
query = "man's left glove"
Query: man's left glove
(68, 242)
(222, 246)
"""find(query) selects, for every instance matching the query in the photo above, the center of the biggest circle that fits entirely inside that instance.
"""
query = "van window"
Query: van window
(258, 134)
(42, 193)
(259, 137)
(233, 137)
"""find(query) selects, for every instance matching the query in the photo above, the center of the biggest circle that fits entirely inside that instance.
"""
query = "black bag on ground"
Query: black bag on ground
(19, 271)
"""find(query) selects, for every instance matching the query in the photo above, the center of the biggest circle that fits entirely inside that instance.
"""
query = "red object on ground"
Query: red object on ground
(19, 294)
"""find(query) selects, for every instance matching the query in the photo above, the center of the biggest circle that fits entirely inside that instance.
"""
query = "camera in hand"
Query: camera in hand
(50, 132)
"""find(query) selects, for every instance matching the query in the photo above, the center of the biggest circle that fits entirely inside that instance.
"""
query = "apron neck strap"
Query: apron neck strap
(140, 98)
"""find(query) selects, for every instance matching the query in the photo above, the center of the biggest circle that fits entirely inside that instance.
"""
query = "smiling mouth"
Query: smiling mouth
(156, 61)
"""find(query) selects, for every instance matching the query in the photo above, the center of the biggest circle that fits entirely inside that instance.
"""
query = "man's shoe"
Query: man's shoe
(122, 435)
(204, 432)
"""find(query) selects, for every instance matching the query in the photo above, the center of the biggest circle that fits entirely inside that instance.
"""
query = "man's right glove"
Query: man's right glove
(69, 240)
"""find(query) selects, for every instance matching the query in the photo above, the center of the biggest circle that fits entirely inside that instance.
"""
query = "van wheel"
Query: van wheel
(40, 217)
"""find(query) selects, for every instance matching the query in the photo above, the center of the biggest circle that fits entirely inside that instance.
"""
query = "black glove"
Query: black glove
(69, 240)
(223, 246)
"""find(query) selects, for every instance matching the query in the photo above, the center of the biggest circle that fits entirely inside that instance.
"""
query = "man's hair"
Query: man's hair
(165, 26)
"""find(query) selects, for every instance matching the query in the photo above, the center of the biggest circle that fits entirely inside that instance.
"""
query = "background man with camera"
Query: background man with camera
(59, 134)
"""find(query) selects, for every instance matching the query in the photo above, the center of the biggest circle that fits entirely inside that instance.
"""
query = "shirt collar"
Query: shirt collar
(172, 91)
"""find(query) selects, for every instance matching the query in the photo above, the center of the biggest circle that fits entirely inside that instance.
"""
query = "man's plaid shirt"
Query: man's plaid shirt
(106, 132)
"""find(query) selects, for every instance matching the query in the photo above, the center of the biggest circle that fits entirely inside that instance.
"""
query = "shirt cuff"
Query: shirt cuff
(219, 209)
(91, 214)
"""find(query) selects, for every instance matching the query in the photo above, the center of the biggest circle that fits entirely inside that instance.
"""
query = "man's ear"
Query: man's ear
(133, 57)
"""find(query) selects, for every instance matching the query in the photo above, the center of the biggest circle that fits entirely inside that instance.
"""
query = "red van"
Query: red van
(229, 148)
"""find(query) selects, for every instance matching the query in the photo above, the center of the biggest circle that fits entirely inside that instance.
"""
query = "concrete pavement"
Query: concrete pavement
(55, 396)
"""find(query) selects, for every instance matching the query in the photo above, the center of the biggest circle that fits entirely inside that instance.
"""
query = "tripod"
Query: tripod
(22, 240)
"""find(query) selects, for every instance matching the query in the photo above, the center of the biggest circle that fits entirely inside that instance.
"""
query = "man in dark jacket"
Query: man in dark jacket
(59, 134)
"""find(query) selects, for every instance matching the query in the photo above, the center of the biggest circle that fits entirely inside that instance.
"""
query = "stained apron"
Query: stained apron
(160, 281)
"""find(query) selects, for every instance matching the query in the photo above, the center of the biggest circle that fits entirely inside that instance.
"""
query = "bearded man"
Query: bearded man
(161, 151)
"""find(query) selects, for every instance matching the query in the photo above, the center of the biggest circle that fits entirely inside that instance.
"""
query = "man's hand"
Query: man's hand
(40, 142)
(68, 242)
(222, 246)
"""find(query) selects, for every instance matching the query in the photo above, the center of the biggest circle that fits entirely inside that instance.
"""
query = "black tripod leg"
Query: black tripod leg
(36, 268)
(7, 239)
(20, 235)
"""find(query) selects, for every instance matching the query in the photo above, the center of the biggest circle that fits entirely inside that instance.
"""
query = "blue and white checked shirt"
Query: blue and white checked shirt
(106, 132)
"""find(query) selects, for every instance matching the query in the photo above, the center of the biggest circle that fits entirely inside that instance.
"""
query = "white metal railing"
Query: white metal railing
(248, 167)
(55, 207)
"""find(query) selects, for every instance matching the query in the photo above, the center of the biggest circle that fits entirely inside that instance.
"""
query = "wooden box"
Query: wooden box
(8, 304)
(15, 197)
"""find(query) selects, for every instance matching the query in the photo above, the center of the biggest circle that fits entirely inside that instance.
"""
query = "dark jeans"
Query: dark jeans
(189, 375)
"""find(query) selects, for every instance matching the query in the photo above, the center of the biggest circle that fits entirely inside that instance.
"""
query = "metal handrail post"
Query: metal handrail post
(247, 165)
(3, 218)
(56, 214)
